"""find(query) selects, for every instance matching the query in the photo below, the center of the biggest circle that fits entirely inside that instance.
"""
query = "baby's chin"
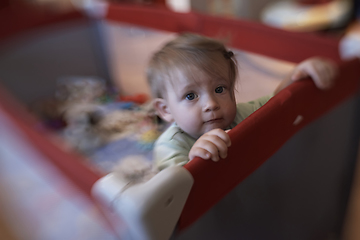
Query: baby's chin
(216, 124)
(207, 128)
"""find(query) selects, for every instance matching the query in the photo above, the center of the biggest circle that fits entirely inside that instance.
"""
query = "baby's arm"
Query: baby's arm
(322, 71)
(212, 145)
(167, 155)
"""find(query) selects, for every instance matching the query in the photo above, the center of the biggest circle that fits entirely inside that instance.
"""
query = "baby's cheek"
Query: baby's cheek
(192, 127)
(232, 113)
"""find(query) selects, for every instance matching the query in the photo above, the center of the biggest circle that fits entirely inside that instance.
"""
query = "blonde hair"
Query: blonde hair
(186, 52)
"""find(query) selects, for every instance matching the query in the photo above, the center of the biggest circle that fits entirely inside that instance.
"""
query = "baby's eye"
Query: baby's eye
(219, 89)
(190, 96)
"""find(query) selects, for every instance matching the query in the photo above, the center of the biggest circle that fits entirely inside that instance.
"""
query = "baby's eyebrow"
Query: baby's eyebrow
(187, 87)
(221, 79)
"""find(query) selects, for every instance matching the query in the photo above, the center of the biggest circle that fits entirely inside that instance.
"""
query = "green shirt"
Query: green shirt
(173, 146)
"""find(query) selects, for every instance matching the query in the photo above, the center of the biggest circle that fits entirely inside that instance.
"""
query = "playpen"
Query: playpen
(287, 175)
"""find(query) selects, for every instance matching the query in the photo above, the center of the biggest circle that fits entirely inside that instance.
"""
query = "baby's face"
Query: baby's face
(201, 104)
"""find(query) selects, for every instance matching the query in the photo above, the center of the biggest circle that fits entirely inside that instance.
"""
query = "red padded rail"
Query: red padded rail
(250, 139)
(70, 164)
(245, 35)
(15, 21)
(280, 111)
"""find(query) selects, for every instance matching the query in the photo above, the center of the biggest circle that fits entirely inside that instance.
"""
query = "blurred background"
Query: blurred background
(303, 15)
(330, 18)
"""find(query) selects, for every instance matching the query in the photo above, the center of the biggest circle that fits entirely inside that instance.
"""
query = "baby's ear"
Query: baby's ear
(162, 109)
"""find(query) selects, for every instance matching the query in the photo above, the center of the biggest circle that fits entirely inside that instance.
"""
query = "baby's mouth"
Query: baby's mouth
(214, 120)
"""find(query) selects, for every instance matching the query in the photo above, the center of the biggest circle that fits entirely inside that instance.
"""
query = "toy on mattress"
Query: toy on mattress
(95, 122)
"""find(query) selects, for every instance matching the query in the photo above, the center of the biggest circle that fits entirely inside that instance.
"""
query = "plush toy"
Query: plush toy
(92, 117)
(49, 114)
(73, 96)
(90, 125)
(75, 89)
(120, 123)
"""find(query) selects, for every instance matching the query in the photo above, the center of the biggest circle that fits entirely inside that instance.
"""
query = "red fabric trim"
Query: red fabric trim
(268, 41)
(250, 139)
(19, 20)
(153, 17)
(212, 180)
(70, 164)
(313, 2)
(249, 36)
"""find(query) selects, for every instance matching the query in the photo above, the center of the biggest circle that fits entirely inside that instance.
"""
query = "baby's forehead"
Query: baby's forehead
(195, 76)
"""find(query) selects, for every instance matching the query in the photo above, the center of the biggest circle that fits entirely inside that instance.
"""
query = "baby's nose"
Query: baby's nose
(211, 105)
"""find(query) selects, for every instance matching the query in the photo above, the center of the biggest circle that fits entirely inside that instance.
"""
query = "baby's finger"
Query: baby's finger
(319, 75)
(199, 152)
(323, 77)
(332, 70)
(298, 74)
(315, 73)
(221, 134)
(327, 77)
(219, 144)
(211, 148)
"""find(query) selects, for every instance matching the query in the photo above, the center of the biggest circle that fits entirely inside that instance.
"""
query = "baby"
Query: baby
(192, 80)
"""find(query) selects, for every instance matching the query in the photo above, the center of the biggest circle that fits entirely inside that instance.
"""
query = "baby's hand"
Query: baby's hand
(212, 145)
(322, 71)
